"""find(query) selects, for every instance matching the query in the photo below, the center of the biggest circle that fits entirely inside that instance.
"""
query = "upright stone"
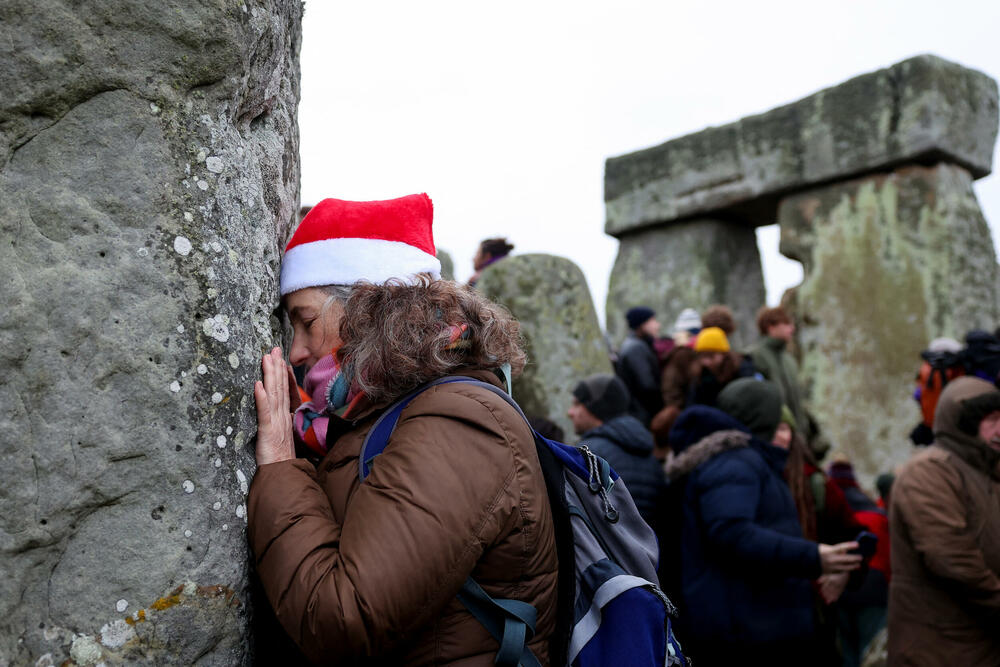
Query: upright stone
(447, 264)
(891, 261)
(549, 297)
(682, 265)
(148, 177)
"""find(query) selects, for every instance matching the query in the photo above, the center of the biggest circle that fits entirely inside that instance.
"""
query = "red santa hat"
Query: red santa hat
(341, 242)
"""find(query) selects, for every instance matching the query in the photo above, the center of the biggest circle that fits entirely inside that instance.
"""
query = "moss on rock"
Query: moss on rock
(890, 262)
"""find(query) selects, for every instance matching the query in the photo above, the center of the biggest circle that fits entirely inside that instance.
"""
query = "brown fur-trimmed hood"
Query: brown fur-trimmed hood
(703, 450)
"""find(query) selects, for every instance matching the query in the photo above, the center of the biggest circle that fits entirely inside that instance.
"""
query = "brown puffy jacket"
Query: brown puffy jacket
(359, 571)
(944, 597)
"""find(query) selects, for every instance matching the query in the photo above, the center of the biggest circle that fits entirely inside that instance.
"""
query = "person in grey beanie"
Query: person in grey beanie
(600, 416)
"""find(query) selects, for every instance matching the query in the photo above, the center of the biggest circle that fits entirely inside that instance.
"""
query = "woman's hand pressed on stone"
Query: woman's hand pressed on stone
(274, 418)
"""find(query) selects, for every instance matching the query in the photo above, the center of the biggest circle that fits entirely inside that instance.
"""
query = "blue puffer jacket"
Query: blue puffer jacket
(628, 446)
(746, 570)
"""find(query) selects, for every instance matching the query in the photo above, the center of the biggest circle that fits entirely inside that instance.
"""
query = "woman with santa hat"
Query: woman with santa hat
(361, 568)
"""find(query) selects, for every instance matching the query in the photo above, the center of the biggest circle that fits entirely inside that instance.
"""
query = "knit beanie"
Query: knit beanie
(341, 242)
(688, 320)
(605, 395)
(638, 316)
(712, 339)
(756, 403)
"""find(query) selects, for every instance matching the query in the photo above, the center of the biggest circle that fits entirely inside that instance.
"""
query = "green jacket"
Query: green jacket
(774, 363)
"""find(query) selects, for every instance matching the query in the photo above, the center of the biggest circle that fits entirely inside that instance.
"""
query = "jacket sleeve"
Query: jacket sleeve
(728, 497)
(353, 586)
(641, 367)
(930, 501)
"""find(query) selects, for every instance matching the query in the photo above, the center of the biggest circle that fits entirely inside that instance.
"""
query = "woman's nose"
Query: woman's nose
(298, 353)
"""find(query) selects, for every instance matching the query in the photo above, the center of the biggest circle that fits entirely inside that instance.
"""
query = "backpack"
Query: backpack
(937, 370)
(611, 610)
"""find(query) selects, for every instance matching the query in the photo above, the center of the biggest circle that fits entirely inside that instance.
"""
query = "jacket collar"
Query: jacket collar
(707, 448)
(776, 344)
(627, 432)
(489, 376)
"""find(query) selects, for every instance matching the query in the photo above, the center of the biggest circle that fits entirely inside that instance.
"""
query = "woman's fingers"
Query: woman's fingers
(294, 400)
(263, 407)
(274, 423)
(281, 380)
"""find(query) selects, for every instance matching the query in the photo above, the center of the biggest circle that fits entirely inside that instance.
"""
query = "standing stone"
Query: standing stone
(549, 297)
(687, 265)
(891, 262)
(447, 264)
(148, 177)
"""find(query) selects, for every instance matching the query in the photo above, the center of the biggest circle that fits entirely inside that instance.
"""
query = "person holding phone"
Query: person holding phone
(745, 570)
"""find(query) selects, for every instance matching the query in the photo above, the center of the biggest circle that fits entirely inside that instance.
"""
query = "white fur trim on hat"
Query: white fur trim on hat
(345, 261)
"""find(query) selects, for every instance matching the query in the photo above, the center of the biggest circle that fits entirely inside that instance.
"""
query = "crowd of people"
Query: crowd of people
(765, 554)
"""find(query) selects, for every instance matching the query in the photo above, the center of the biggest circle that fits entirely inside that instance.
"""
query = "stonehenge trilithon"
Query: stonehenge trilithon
(873, 182)
(148, 177)
(549, 296)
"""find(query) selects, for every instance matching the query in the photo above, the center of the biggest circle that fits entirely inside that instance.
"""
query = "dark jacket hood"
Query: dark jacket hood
(699, 421)
(625, 431)
(958, 396)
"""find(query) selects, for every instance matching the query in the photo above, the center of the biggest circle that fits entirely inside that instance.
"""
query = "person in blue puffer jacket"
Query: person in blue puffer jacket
(599, 413)
(745, 571)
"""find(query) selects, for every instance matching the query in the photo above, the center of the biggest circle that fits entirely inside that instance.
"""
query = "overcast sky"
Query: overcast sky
(505, 113)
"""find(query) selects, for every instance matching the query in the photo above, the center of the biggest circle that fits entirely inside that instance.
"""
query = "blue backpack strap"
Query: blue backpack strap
(378, 436)
(510, 622)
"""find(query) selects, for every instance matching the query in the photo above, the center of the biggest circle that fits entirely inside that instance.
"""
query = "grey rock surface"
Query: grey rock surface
(920, 110)
(148, 177)
(549, 297)
(687, 265)
(447, 264)
(891, 262)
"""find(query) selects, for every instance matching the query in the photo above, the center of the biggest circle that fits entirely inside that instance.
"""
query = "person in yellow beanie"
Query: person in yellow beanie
(712, 339)
(694, 376)
(713, 350)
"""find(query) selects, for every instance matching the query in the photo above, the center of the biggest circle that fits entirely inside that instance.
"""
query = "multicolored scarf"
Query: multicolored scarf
(331, 394)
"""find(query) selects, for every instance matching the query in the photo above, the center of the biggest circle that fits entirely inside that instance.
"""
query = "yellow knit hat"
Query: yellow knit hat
(712, 339)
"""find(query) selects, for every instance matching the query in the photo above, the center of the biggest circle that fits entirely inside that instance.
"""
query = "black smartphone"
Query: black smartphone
(866, 544)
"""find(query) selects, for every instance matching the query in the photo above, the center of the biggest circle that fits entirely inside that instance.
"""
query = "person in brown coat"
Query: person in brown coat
(368, 572)
(944, 597)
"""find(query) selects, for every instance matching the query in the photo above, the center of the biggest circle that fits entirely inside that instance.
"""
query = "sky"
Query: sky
(505, 113)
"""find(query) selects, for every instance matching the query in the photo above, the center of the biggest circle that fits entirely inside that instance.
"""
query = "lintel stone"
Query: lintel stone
(920, 111)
